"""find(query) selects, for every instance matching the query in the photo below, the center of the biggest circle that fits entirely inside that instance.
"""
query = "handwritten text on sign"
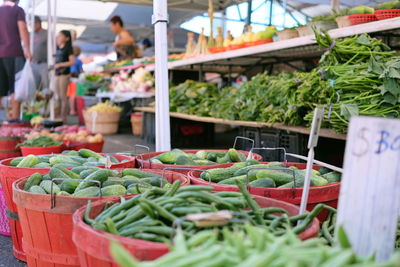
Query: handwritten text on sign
(369, 203)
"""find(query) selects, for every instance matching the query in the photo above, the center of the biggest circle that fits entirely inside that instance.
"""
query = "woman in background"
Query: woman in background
(76, 69)
(64, 60)
(124, 41)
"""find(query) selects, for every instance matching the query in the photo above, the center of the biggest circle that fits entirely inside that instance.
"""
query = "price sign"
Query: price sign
(369, 203)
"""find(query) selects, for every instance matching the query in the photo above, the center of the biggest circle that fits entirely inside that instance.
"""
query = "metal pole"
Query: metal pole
(249, 11)
(160, 21)
(335, 5)
(270, 12)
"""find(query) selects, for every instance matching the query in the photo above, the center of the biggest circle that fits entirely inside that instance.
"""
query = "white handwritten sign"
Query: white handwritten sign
(369, 203)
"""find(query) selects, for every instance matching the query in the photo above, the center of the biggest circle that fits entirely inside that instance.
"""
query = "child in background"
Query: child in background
(76, 69)
(64, 60)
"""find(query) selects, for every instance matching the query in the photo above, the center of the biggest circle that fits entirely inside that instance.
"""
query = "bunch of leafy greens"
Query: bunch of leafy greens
(194, 98)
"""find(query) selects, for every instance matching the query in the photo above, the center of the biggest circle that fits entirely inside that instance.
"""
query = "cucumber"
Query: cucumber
(263, 182)
(184, 160)
(155, 181)
(69, 173)
(99, 175)
(202, 154)
(157, 161)
(113, 190)
(170, 157)
(113, 181)
(129, 181)
(243, 171)
(203, 162)
(34, 179)
(66, 165)
(28, 162)
(87, 153)
(332, 177)
(93, 164)
(87, 172)
(218, 174)
(91, 191)
(280, 177)
(234, 155)
(224, 159)
(45, 158)
(57, 173)
(63, 160)
(46, 185)
(232, 180)
(138, 173)
(69, 186)
(251, 162)
(72, 153)
(80, 169)
(42, 165)
(78, 159)
(46, 177)
(37, 190)
(15, 161)
(211, 156)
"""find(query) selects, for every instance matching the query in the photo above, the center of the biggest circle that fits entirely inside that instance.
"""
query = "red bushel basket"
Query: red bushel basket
(387, 14)
(362, 18)
(4, 225)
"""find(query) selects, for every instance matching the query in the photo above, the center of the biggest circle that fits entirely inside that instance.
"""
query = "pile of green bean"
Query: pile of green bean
(152, 215)
(252, 246)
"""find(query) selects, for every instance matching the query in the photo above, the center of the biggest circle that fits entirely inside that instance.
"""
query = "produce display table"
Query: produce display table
(296, 129)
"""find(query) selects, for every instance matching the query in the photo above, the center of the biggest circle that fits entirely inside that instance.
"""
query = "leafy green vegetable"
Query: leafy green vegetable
(42, 141)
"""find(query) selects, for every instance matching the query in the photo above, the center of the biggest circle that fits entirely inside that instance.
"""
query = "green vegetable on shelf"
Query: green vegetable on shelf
(42, 141)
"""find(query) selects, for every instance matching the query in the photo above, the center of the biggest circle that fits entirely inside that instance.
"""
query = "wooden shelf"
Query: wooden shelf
(303, 130)
(301, 47)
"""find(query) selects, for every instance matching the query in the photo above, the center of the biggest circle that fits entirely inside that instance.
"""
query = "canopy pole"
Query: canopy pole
(335, 5)
(160, 21)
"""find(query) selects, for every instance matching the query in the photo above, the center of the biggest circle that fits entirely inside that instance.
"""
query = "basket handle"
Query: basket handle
(243, 138)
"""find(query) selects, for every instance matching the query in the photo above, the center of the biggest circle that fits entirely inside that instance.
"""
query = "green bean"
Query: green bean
(160, 210)
(250, 201)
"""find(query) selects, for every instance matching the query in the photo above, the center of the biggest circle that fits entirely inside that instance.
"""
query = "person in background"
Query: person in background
(64, 60)
(124, 41)
(76, 69)
(148, 50)
(12, 56)
(39, 59)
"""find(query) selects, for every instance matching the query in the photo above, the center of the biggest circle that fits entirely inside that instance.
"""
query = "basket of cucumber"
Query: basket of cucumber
(277, 180)
(192, 159)
(16, 168)
(46, 203)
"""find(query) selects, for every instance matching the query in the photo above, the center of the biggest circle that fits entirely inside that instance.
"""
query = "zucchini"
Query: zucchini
(28, 162)
(34, 179)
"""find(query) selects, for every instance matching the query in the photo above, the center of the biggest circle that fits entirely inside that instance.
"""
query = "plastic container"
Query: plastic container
(288, 34)
(96, 147)
(343, 21)
(93, 245)
(42, 150)
(129, 163)
(362, 18)
(102, 122)
(327, 194)
(8, 175)
(47, 230)
(4, 225)
(387, 13)
(143, 161)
